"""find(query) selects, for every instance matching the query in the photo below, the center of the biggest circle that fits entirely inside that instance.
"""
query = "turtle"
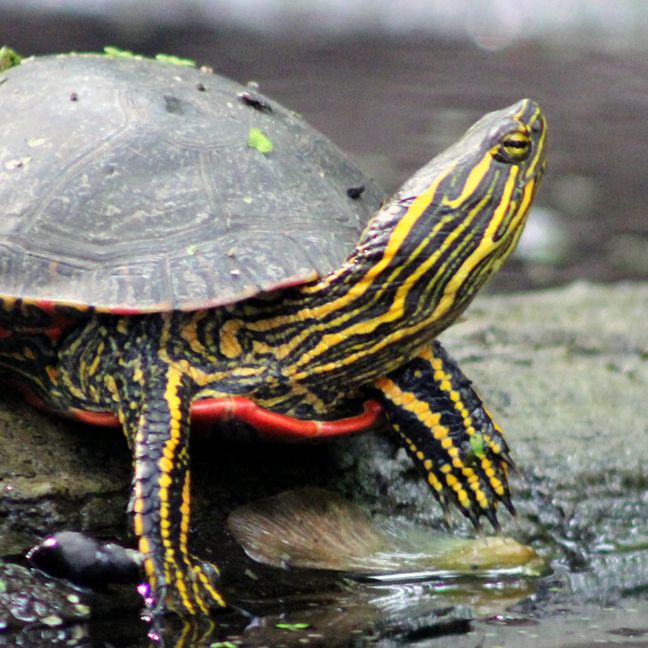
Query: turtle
(176, 247)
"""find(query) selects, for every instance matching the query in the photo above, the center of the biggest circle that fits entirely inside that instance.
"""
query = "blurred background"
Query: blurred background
(394, 82)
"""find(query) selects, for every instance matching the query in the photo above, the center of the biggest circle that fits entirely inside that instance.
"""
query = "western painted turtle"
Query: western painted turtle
(176, 247)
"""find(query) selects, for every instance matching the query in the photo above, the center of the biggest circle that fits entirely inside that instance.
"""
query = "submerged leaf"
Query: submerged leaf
(313, 528)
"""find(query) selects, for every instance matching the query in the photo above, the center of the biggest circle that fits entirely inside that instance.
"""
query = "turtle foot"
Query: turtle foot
(185, 588)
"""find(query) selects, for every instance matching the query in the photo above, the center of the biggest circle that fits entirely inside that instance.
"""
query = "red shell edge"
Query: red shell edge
(270, 425)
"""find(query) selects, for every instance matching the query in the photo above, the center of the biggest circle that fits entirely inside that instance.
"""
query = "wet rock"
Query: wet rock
(84, 561)
(27, 598)
(565, 372)
(56, 475)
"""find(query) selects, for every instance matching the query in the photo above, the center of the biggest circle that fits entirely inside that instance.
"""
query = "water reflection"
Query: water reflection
(358, 613)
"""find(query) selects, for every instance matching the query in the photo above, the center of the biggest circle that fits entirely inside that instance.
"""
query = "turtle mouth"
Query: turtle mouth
(541, 171)
(534, 174)
(537, 176)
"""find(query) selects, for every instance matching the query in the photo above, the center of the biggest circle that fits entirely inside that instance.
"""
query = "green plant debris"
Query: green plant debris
(191, 250)
(477, 445)
(175, 60)
(117, 52)
(223, 644)
(8, 58)
(258, 140)
(293, 627)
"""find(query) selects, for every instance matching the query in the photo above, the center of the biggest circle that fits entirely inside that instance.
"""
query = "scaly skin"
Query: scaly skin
(317, 351)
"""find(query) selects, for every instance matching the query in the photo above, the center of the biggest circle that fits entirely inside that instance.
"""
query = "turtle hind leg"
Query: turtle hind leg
(450, 435)
(158, 431)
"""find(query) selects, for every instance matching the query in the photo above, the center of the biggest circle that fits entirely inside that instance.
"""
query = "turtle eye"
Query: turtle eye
(513, 147)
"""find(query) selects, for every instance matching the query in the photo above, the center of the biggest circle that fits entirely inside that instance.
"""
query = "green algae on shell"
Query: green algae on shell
(316, 529)
(8, 58)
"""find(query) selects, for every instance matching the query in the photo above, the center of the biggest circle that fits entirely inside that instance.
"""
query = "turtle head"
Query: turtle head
(424, 255)
(454, 222)
(484, 184)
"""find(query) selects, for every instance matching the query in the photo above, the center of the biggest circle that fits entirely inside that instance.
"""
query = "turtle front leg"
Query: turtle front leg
(157, 426)
(450, 435)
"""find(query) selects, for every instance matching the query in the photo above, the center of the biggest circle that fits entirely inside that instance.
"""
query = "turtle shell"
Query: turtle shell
(133, 185)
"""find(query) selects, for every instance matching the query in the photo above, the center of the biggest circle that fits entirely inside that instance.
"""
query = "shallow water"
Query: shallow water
(603, 601)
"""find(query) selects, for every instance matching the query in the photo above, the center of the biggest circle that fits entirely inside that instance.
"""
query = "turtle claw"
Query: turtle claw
(491, 515)
(473, 516)
(447, 512)
(506, 500)
(191, 593)
(505, 457)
